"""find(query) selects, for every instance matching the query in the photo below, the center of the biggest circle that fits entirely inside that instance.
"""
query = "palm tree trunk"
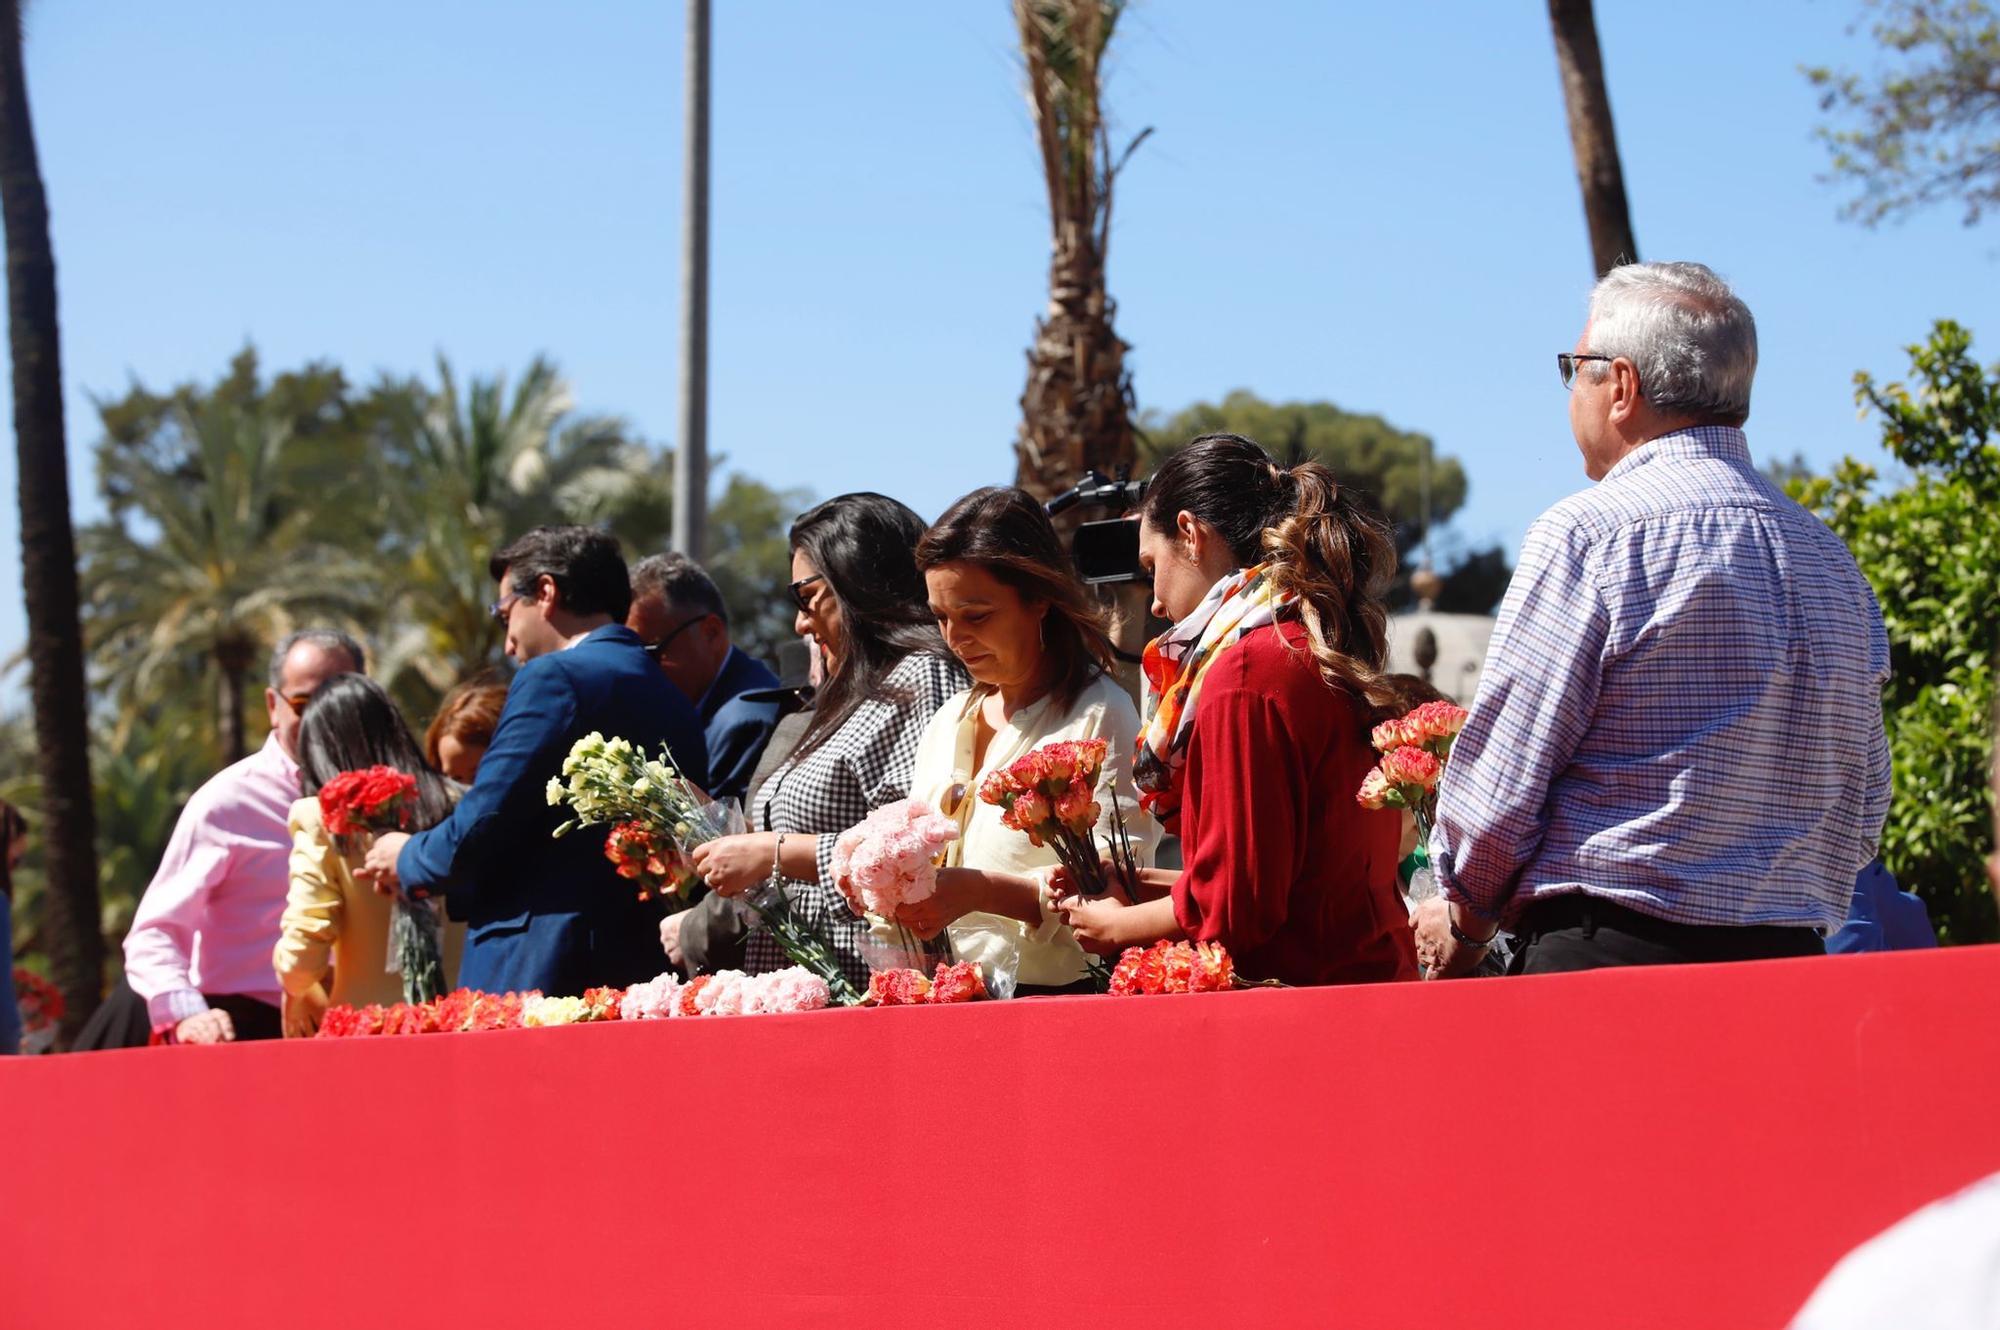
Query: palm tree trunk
(57, 687)
(1591, 135)
(230, 670)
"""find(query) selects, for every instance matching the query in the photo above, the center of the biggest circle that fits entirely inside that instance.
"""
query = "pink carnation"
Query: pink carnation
(1374, 792)
(889, 858)
(1077, 809)
(1435, 721)
(794, 989)
(653, 1000)
(1411, 766)
(1392, 734)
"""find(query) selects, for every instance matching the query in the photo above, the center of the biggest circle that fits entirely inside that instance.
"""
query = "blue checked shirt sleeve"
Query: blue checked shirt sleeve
(1534, 706)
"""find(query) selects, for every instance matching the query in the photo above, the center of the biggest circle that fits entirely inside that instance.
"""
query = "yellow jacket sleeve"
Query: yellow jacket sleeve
(312, 902)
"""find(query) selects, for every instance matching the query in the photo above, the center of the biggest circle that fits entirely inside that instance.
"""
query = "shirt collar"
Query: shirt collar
(701, 706)
(1722, 443)
(273, 754)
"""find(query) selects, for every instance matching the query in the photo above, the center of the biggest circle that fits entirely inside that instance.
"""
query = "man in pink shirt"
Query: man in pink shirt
(199, 952)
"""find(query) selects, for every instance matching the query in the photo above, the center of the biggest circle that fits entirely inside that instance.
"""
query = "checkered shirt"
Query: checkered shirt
(864, 764)
(1681, 707)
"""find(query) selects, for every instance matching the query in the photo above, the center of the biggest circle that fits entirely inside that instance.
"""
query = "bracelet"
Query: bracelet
(777, 853)
(1459, 936)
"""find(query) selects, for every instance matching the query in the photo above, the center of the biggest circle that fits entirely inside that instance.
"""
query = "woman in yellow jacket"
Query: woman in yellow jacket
(332, 922)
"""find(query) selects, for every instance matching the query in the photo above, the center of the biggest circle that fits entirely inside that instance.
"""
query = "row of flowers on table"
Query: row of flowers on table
(1164, 967)
(657, 817)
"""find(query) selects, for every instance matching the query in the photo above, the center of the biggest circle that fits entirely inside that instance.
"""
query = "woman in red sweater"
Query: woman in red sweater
(1257, 710)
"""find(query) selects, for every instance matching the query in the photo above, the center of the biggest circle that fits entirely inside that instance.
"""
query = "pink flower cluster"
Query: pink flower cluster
(1431, 726)
(1050, 790)
(889, 859)
(1173, 967)
(1414, 749)
(726, 993)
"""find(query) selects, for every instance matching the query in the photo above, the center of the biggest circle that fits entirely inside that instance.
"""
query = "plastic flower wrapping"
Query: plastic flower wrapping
(645, 857)
(890, 857)
(1173, 967)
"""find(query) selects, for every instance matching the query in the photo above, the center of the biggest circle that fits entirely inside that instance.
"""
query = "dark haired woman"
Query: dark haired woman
(331, 920)
(1013, 611)
(1259, 702)
(861, 600)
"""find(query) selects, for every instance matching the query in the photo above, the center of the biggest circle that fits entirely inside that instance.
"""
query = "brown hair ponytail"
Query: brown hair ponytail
(1318, 540)
(1337, 557)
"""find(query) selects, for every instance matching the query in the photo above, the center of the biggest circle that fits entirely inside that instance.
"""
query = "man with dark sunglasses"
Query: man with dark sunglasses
(678, 613)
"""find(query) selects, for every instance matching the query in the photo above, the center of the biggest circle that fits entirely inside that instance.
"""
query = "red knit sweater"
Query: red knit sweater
(1282, 866)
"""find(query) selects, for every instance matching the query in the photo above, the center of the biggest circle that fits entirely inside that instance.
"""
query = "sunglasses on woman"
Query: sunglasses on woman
(800, 596)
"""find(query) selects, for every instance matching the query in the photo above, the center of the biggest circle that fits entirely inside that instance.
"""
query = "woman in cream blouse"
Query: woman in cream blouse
(331, 920)
(1015, 614)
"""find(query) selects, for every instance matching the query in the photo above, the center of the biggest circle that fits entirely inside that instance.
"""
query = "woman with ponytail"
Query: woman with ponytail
(1258, 706)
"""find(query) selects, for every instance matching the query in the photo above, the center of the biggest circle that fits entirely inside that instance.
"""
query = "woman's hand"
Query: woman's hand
(1102, 925)
(731, 865)
(302, 1013)
(379, 865)
(1060, 883)
(954, 898)
(1431, 922)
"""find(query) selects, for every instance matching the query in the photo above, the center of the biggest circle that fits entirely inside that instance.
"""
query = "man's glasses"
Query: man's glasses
(1566, 363)
(501, 608)
(297, 702)
(800, 597)
(659, 649)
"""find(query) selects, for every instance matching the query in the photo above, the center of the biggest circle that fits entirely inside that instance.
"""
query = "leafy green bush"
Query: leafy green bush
(1931, 549)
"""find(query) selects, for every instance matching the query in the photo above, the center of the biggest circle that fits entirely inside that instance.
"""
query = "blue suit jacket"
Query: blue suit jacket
(737, 729)
(546, 913)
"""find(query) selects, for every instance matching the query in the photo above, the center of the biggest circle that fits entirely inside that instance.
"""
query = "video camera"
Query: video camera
(1108, 550)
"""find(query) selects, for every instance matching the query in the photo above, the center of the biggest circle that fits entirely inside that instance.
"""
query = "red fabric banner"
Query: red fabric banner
(1671, 1147)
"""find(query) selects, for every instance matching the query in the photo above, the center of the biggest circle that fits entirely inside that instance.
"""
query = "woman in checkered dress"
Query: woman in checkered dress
(861, 599)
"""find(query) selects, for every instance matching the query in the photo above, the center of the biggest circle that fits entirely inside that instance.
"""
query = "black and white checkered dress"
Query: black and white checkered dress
(862, 765)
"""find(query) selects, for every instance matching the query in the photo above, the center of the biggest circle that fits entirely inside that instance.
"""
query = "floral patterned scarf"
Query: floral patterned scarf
(1174, 666)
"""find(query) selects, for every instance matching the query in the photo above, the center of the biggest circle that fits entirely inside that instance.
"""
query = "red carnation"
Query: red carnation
(684, 1005)
(380, 798)
(603, 1002)
(957, 983)
(897, 988)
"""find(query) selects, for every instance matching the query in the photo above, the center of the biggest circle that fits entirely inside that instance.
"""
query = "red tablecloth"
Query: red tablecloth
(1685, 1147)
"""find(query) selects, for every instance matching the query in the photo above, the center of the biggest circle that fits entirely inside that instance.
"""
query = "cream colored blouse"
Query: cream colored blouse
(1044, 955)
(333, 921)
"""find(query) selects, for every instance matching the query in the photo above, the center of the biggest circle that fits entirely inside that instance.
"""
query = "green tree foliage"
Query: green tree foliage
(1366, 452)
(751, 561)
(1924, 127)
(241, 508)
(208, 555)
(1931, 550)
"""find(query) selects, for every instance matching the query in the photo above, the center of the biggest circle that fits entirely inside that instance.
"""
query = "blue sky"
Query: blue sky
(1372, 204)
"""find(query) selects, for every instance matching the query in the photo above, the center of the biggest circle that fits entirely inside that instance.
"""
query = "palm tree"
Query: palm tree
(219, 567)
(57, 685)
(1591, 135)
(480, 464)
(1076, 412)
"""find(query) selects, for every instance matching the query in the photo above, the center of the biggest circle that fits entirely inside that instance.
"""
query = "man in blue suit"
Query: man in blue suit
(545, 913)
(679, 615)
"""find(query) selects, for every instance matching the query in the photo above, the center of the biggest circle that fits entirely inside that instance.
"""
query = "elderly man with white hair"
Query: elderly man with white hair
(1676, 752)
